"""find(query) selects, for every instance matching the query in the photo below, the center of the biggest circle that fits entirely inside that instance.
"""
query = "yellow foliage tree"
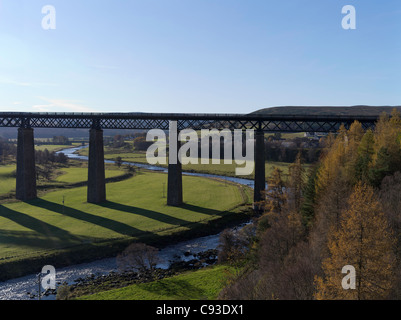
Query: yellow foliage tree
(275, 196)
(364, 242)
(341, 158)
(296, 182)
(387, 134)
(332, 162)
(354, 137)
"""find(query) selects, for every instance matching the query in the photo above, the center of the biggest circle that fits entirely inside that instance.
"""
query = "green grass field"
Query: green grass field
(135, 209)
(203, 284)
(50, 147)
(7, 179)
(73, 175)
(287, 136)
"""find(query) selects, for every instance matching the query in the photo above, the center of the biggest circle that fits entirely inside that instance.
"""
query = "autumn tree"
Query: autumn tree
(365, 156)
(390, 196)
(140, 144)
(295, 281)
(274, 199)
(342, 157)
(353, 140)
(234, 245)
(278, 263)
(387, 156)
(118, 161)
(365, 242)
(296, 183)
(61, 140)
(307, 209)
(275, 196)
(336, 175)
(346, 223)
(387, 133)
(333, 161)
(138, 257)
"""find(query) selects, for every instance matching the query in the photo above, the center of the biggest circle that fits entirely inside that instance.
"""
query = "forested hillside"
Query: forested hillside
(346, 211)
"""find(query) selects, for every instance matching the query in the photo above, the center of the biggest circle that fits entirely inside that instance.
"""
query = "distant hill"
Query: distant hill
(324, 110)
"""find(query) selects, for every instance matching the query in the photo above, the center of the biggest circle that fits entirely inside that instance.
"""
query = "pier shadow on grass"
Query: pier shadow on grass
(106, 223)
(162, 217)
(39, 241)
(155, 215)
(42, 233)
(208, 211)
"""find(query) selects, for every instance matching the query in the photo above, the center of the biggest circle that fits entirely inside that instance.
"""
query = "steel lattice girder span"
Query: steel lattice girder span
(147, 121)
(26, 176)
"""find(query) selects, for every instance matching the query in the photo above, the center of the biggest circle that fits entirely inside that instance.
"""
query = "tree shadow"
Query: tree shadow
(177, 288)
(106, 223)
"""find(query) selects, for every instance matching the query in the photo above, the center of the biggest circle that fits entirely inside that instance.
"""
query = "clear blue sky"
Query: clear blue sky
(215, 56)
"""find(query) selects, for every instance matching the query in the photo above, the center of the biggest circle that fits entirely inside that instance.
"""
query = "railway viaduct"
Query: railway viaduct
(97, 122)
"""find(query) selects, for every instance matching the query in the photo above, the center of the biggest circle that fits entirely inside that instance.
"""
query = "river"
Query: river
(22, 288)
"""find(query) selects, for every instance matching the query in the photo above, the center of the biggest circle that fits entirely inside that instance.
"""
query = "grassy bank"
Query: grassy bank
(7, 179)
(203, 284)
(76, 175)
(44, 231)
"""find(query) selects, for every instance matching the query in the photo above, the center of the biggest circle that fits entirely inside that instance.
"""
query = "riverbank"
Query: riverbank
(93, 284)
(61, 228)
(93, 251)
(183, 251)
(200, 284)
(81, 232)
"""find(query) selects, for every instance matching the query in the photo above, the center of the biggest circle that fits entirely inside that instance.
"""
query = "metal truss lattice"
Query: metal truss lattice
(142, 121)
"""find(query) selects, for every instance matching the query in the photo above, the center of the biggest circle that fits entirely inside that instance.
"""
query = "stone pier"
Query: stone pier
(260, 179)
(174, 183)
(26, 172)
(96, 174)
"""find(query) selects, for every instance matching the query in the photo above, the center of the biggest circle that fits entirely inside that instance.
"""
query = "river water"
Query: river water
(22, 288)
